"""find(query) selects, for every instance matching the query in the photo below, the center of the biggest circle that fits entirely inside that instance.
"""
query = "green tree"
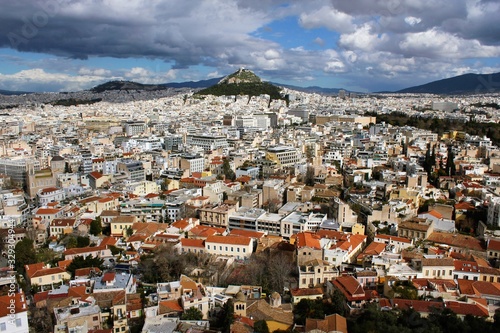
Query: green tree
(225, 317)
(25, 254)
(192, 314)
(81, 262)
(309, 176)
(72, 243)
(114, 250)
(96, 226)
(260, 326)
(226, 169)
(82, 241)
(339, 304)
(307, 308)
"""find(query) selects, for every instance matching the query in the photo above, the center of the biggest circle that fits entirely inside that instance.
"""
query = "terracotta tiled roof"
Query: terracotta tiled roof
(435, 213)
(457, 240)
(188, 242)
(19, 301)
(437, 261)
(493, 244)
(96, 174)
(33, 268)
(246, 233)
(82, 250)
(261, 310)
(350, 287)
(393, 238)
(307, 239)
(62, 222)
(48, 271)
(169, 306)
(230, 240)
(47, 211)
(306, 292)
(331, 323)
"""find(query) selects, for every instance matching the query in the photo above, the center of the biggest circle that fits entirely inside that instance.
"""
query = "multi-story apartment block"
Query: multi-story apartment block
(270, 223)
(217, 216)
(132, 128)
(300, 222)
(207, 142)
(245, 218)
(494, 212)
(134, 170)
(194, 163)
(284, 156)
(17, 168)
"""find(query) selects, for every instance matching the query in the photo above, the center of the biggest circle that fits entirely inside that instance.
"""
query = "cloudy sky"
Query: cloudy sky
(362, 45)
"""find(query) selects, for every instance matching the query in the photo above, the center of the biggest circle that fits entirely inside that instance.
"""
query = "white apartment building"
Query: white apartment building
(50, 194)
(283, 155)
(299, 222)
(132, 128)
(494, 212)
(207, 142)
(194, 163)
(239, 247)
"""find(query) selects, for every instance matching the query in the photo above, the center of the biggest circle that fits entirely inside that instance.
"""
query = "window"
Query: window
(95, 318)
(244, 250)
(208, 247)
(3, 327)
(18, 322)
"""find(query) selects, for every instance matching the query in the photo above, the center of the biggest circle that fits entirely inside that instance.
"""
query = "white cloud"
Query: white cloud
(438, 44)
(411, 20)
(329, 18)
(362, 39)
(38, 79)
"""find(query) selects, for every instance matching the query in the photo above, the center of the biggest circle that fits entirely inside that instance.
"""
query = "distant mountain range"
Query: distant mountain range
(462, 84)
(9, 92)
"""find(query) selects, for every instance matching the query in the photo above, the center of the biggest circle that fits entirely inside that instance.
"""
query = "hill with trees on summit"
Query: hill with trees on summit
(243, 82)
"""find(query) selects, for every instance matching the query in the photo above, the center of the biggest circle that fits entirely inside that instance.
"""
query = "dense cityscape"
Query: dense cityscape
(264, 166)
(245, 213)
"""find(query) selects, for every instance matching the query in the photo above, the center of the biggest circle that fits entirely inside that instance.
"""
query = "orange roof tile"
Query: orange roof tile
(188, 242)
(230, 240)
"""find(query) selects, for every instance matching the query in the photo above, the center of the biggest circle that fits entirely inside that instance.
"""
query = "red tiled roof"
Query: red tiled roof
(435, 213)
(350, 287)
(247, 233)
(19, 301)
(48, 271)
(33, 268)
(188, 242)
(96, 174)
(108, 277)
(393, 238)
(230, 240)
(307, 239)
(306, 292)
(493, 244)
(457, 240)
(47, 211)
